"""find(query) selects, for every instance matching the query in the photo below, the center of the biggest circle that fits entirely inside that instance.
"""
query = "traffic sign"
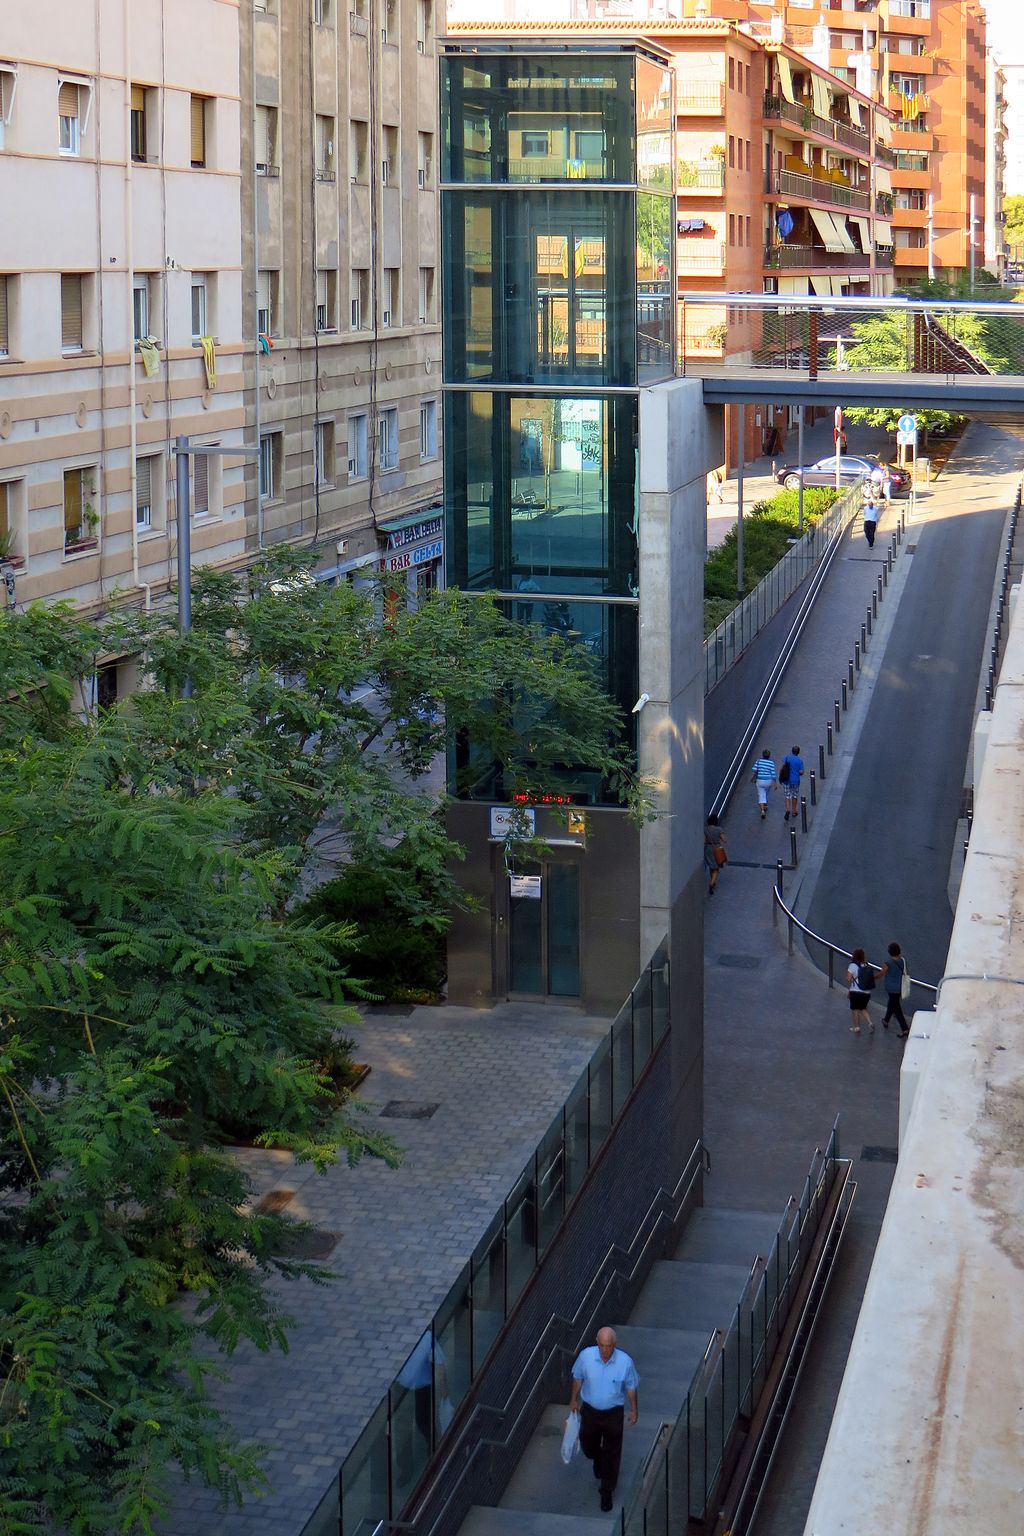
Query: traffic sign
(907, 423)
(906, 439)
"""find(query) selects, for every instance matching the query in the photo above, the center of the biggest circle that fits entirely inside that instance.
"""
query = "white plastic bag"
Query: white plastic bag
(571, 1438)
(905, 980)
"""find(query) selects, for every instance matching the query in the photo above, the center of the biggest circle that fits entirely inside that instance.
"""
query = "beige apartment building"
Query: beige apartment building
(343, 376)
(120, 293)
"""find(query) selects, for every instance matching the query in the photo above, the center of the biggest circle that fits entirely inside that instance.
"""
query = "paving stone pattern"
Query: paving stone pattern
(498, 1078)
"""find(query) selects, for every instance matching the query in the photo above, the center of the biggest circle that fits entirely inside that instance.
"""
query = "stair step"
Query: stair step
(689, 1296)
(666, 1359)
(483, 1520)
(718, 1235)
(543, 1484)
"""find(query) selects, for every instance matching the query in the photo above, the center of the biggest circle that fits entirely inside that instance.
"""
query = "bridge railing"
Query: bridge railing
(817, 335)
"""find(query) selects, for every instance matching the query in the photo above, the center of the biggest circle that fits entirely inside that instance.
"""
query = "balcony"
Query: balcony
(884, 155)
(883, 203)
(802, 116)
(814, 189)
(700, 175)
(776, 256)
(696, 96)
(700, 256)
(910, 218)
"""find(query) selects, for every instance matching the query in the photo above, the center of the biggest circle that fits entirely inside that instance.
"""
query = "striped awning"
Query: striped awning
(822, 285)
(842, 233)
(826, 229)
(786, 79)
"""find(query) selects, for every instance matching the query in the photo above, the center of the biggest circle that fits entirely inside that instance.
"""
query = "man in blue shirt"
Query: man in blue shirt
(791, 787)
(603, 1378)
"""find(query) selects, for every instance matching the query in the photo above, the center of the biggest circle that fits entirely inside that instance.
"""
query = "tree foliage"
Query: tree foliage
(160, 991)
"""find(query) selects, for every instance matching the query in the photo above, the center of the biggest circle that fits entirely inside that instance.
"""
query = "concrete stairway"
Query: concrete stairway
(683, 1301)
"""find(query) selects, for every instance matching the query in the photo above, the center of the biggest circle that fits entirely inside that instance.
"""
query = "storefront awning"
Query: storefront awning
(786, 79)
(826, 229)
(410, 519)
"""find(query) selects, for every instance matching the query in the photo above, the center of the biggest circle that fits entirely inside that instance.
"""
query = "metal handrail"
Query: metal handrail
(833, 949)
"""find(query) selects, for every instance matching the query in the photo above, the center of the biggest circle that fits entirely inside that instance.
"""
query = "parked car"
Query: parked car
(852, 466)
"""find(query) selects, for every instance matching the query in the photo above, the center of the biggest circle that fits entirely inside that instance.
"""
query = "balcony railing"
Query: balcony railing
(884, 154)
(812, 256)
(700, 255)
(705, 174)
(700, 95)
(803, 117)
(794, 184)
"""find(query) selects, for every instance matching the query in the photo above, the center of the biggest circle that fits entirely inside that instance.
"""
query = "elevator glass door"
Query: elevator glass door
(544, 934)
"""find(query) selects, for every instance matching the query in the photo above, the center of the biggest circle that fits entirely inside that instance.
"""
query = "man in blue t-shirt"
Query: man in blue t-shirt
(791, 784)
(603, 1379)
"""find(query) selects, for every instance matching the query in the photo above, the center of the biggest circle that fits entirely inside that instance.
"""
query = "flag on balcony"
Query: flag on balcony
(910, 105)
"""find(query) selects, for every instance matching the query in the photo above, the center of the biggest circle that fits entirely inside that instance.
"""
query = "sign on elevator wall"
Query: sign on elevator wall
(522, 887)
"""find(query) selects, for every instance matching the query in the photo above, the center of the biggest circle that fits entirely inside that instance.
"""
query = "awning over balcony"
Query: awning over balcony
(865, 233)
(821, 285)
(820, 97)
(826, 229)
(786, 79)
(855, 117)
(883, 181)
(883, 232)
(842, 233)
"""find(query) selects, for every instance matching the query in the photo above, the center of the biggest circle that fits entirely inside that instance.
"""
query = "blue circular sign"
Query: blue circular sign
(908, 423)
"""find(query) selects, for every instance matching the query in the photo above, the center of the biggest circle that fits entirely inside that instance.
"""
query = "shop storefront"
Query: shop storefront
(412, 552)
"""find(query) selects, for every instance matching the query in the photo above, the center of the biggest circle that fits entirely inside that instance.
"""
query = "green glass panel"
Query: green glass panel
(562, 901)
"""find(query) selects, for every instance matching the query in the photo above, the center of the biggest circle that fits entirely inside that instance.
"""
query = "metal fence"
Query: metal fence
(726, 644)
(831, 950)
(387, 1462)
(682, 1479)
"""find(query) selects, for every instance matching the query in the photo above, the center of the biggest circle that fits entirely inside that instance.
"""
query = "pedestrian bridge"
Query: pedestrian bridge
(966, 357)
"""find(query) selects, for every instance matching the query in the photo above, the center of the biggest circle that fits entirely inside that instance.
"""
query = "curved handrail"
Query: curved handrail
(837, 948)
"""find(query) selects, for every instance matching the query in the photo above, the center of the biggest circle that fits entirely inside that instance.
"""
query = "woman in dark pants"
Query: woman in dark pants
(892, 974)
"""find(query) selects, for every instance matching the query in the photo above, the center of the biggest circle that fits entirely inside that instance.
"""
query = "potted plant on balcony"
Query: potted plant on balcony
(716, 152)
(84, 536)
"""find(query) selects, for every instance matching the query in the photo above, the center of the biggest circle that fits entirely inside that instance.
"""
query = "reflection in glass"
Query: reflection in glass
(452, 1330)
(550, 1186)
(364, 1477)
(488, 1268)
(600, 1097)
(655, 304)
(562, 900)
(577, 1118)
(412, 1399)
(521, 1230)
(622, 1063)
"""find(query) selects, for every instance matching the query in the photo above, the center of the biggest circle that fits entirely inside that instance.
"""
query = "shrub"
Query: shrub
(767, 534)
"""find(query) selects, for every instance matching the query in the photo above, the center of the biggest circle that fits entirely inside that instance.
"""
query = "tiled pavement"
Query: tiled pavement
(497, 1079)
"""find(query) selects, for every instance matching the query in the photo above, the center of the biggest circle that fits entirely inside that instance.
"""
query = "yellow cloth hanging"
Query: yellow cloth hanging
(209, 360)
(150, 354)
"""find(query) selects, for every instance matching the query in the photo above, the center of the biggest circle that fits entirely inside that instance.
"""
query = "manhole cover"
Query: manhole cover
(879, 1155)
(408, 1109)
(740, 962)
(316, 1243)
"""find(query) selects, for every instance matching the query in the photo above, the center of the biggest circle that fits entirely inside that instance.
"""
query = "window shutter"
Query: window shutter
(71, 309)
(201, 484)
(67, 100)
(198, 130)
(72, 500)
(143, 482)
(5, 509)
(3, 314)
(138, 98)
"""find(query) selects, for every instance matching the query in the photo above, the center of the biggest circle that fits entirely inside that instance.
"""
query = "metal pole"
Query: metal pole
(831, 741)
(792, 845)
(803, 810)
(856, 654)
(184, 514)
(970, 236)
(863, 639)
(814, 781)
(931, 239)
(739, 502)
(821, 764)
(800, 462)
(846, 694)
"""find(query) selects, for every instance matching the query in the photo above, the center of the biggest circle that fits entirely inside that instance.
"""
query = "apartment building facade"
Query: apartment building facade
(341, 304)
(120, 294)
(995, 166)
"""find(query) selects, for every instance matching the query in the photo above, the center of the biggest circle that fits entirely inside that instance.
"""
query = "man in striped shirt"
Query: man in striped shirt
(765, 777)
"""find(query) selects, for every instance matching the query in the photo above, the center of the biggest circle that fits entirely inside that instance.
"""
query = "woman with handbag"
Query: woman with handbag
(714, 851)
(897, 987)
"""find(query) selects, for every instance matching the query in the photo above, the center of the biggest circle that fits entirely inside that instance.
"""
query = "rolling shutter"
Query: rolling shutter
(198, 108)
(138, 98)
(71, 310)
(143, 484)
(4, 335)
(67, 100)
(200, 484)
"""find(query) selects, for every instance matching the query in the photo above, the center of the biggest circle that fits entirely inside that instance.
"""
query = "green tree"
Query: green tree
(1013, 231)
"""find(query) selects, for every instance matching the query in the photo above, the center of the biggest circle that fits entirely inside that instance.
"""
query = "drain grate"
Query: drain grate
(408, 1109)
(740, 962)
(911, 549)
(879, 1155)
(316, 1243)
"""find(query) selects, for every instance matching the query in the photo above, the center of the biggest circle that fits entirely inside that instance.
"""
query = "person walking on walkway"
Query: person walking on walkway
(790, 774)
(764, 775)
(715, 856)
(604, 1378)
(893, 973)
(870, 514)
(861, 978)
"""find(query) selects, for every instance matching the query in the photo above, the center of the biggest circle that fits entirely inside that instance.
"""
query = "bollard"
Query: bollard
(831, 743)
(803, 813)
(988, 696)
(856, 654)
(778, 878)
(868, 620)
(970, 822)
(885, 572)
(846, 694)
(864, 638)
(965, 850)
(835, 715)
(821, 763)
(792, 845)
(849, 675)
(814, 781)
(880, 584)
(874, 605)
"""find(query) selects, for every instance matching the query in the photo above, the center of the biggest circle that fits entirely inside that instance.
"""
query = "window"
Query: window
(197, 129)
(732, 229)
(71, 316)
(392, 296)
(533, 144)
(360, 296)
(748, 154)
(8, 89)
(5, 332)
(147, 475)
(323, 452)
(424, 25)
(11, 494)
(389, 164)
(358, 140)
(428, 430)
(81, 520)
(270, 466)
(267, 303)
(387, 29)
(69, 117)
(138, 123)
(266, 140)
(732, 152)
(387, 439)
(200, 504)
(732, 81)
(140, 306)
(357, 446)
(426, 309)
(325, 148)
(199, 306)
(425, 154)
(746, 70)
(322, 13)
(326, 301)
(747, 222)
